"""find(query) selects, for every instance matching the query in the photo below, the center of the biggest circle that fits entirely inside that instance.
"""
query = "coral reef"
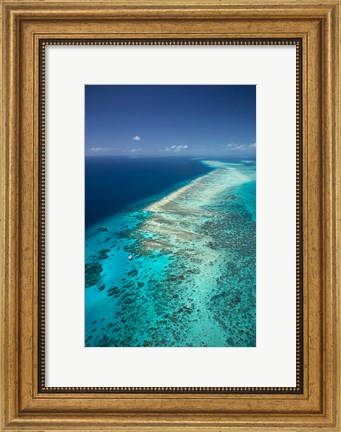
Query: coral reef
(192, 279)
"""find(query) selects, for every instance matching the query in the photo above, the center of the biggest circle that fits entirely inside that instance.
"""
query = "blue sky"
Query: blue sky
(170, 120)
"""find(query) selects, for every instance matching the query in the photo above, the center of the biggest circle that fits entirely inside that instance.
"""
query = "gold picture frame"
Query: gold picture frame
(28, 26)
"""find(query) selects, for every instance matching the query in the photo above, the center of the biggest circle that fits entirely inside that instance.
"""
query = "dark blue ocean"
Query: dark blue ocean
(112, 184)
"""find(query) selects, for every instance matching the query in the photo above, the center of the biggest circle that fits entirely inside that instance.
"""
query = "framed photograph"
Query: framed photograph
(170, 182)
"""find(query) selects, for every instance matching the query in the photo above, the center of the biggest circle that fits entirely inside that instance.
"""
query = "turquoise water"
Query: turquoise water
(191, 281)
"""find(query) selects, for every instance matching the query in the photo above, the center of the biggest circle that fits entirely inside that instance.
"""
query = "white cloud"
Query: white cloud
(239, 147)
(176, 148)
(136, 138)
(236, 146)
(97, 149)
(134, 150)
